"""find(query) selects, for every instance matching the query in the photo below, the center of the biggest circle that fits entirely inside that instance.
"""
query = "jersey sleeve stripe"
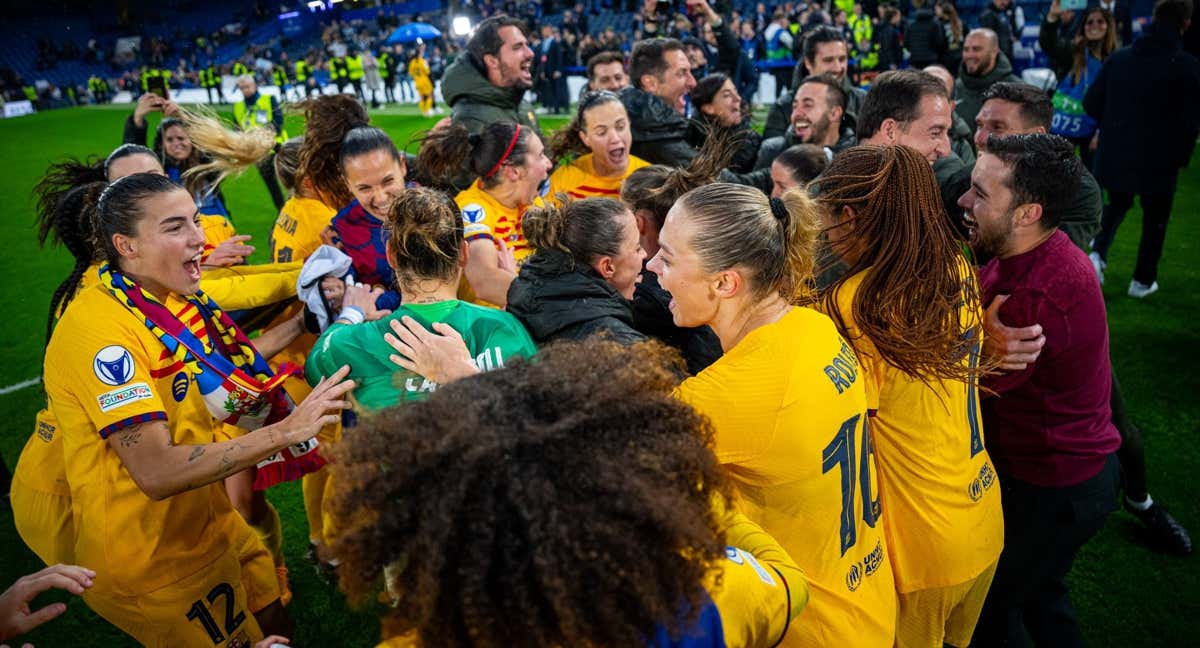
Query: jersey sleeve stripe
(136, 419)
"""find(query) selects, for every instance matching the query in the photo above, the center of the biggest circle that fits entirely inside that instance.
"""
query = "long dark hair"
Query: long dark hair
(566, 140)
(445, 151)
(119, 207)
(1080, 46)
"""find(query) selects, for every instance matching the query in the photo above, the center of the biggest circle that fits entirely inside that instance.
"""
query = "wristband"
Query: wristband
(352, 314)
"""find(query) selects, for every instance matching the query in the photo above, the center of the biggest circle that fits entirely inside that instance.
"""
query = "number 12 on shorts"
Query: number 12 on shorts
(840, 453)
(233, 617)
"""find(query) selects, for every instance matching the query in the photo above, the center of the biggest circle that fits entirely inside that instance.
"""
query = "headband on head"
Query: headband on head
(512, 144)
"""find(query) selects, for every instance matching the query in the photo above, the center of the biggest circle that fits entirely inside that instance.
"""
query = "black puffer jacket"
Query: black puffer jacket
(559, 299)
(924, 39)
(700, 346)
(699, 128)
(659, 131)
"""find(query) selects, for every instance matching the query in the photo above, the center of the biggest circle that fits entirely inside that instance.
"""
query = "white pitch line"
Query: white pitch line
(19, 386)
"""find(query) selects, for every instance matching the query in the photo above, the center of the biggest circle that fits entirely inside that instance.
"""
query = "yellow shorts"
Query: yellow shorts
(258, 567)
(204, 610)
(44, 522)
(930, 618)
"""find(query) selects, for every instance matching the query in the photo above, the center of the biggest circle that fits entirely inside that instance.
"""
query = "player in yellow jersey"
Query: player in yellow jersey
(137, 426)
(787, 403)
(610, 493)
(599, 139)
(418, 69)
(909, 305)
(510, 164)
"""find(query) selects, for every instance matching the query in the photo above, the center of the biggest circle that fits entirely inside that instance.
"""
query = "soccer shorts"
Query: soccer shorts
(204, 610)
(258, 568)
(44, 522)
(932, 617)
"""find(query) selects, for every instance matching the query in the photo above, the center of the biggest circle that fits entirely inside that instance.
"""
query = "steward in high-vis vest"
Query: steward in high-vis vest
(305, 78)
(210, 80)
(354, 69)
(387, 73)
(100, 89)
(280, 78)
(340, 72)
(254, 110)
(155, 80)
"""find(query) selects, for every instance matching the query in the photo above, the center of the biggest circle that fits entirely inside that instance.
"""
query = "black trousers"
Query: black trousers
(1043, 530)
(1156, 210)
(213, 91)
(266, 169)
(1132, 453)
(389, 90)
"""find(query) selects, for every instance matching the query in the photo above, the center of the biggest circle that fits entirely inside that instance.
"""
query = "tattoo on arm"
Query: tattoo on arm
(197, 452)
(131, 436)
(225, 466)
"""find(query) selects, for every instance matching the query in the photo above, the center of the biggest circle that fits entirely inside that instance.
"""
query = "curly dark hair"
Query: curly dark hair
(560, 502)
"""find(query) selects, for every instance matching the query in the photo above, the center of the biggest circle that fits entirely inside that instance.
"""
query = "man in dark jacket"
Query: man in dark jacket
(983, 64)
(1147, 102)
(816, 119)
(924, 37)
(962, 143)
(825, 52)
(662, 78)
(1000, 17)
(550, 72)
(487, 83)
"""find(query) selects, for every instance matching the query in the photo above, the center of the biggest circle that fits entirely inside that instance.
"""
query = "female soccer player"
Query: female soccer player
(796, 167)
(426, 249)
(138, 393)
(357, 169)
(909, 305)
(599, 139)
(510, 165)
(787, 402)
(418, 69)
(580, 280)
(562, 502)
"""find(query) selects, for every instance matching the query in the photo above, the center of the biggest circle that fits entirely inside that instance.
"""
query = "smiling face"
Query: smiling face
(830, 58)
(512, 66)
(609, 76)
(176, 143)
(164, 253)
(999, 117)
(929, 132)
(987, 207)
(626, 265)
(376, 179)
(680, 272)
(606, 132)
(726, 106)
(812, 119)
(979, 54)
(1095, 26)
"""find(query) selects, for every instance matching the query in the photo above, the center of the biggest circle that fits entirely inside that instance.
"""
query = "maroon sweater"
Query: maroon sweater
(1051, 425)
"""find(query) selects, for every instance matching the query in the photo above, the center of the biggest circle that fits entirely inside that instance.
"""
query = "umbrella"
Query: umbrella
(413, 32)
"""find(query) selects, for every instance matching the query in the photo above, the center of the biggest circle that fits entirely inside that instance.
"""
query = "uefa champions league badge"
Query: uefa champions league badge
(113, 365)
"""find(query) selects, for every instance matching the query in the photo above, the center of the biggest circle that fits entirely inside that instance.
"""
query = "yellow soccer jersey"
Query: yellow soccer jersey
(485, 218)
(790, 414)
(103, 372)
(579, 180)
(217, 229)
(297, 231)
(944, 524)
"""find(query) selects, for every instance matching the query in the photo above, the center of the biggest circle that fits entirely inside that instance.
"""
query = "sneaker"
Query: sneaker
(1139, 290)
(1099, 265)
(1164, 529)
(285, 592)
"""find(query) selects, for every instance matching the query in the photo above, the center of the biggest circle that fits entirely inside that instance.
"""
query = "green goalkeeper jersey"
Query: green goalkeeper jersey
(493, 337)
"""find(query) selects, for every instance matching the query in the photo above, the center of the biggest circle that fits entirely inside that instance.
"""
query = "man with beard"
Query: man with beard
(983, 64)
(657, 101)
(488, 83)
(825, 52)
(1049, 426)
(816, 119)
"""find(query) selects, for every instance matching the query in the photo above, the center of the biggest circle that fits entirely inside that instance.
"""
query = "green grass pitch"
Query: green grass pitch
(1126, 594)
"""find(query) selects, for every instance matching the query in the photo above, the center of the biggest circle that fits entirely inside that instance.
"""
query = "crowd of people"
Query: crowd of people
(654, 379)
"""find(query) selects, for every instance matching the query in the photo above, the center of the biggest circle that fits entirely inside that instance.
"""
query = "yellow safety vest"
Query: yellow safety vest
(261, 115)
(354, 67)
(301, 71)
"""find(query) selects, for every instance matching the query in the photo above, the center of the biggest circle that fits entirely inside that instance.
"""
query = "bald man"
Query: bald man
(960, 131)
(983, 64)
